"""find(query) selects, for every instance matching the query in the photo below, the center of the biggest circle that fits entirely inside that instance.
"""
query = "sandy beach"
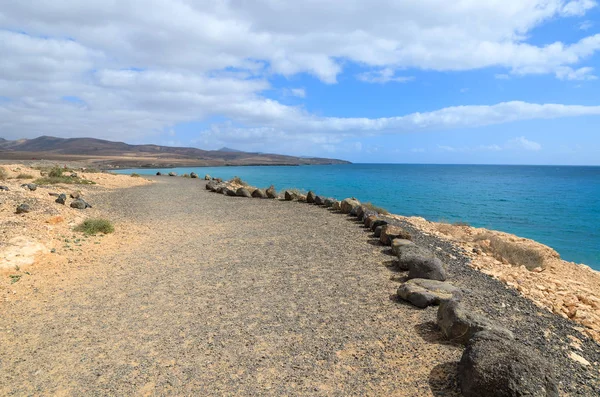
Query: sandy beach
(200, 294)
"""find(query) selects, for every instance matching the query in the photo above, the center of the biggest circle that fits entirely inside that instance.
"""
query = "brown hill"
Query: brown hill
(118, 154)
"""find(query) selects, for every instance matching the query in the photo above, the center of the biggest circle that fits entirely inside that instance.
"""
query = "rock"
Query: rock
(23, 208)
(365, 214)
(243, 192)
(218, 180)
(337, 206)
(229, 192)
(30, 186)
(459, 325)
(423, 293)
(80, 204)
(378, 222)
(377, 231)
(4, 188)
(211, 185)
(259, 193)
(421, 263)
(271, 192)
(62, 199)
(74, 175)
(390, 232)
(159, 173)
(319, 200)
(398, 244)
(301, 198)
(172, 173)
(328, 203)
(577, 358)
(359, 212)
(289, 196)
(310, 197)
(368, 221)
(53, 194)
(497, 367)
(193, 175)
(354, 210)
(207, 177)
(75, 195)
(348, 204)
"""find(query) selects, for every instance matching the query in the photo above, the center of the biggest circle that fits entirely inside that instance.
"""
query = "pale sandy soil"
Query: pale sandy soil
(568, 289)
(29, 238)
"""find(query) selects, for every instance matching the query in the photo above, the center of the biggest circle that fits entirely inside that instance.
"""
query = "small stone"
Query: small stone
(62, 198)
(172, 173)
(80, 204)
(75, 195)
(159, 173)
(4, 188)
(23, 208)
(577, 358)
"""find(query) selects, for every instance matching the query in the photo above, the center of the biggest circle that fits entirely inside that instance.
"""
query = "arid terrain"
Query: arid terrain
(196, 293)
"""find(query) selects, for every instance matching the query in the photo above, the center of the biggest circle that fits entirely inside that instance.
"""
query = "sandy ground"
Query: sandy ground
(201, 294)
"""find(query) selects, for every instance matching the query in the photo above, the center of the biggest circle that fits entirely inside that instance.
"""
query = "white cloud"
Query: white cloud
(502, 76)
(586, 25)
(523, 143)
(138, 68)
(383, 76)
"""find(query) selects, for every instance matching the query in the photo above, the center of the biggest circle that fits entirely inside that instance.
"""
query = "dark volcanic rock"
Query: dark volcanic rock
(30, 186)
(75, 195)
(23, 208)
(159, 173)
(229, 192)
(366, 213)
(377, 231)
(172, 173)
(259, 193)
(459, 324)
(310, 197)
(271, 192)
(347, 205)
(378, 222)
(390, 232)
(5, 188)
(211, 185)
(368, 221)
(80, 204)
(207, 177)
(62, 199)
(193, 175)
(423, 293)
(421, 263)
(243, 192)
(398, 244)
(289, 196)
(319, 200)
(497, 367)
(328, 203)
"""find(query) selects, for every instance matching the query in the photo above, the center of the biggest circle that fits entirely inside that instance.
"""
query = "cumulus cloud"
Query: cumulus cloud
(383, 76)
(141, 67)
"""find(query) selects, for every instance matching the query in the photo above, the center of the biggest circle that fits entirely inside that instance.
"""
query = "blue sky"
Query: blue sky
(503, 82)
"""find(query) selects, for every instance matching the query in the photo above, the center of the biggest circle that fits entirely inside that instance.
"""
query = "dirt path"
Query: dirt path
(223, 296)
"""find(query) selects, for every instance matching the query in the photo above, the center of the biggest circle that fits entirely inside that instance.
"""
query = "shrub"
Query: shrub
(461, 223)
(56, 172)
(93, 226)
(24, 176)
(372, 207)
(3, 174)
(135, 175)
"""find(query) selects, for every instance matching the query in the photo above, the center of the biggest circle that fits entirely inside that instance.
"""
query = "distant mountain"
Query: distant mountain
(108, 153)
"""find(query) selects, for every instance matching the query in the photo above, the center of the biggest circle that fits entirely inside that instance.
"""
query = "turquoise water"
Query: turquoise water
(558, 206)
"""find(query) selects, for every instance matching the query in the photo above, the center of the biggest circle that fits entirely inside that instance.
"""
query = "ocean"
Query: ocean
(556, 205)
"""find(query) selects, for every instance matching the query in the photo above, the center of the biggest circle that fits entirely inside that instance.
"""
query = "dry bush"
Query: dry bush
(25, 176)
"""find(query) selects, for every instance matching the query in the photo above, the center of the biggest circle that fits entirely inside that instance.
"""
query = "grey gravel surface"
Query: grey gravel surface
(225, 296)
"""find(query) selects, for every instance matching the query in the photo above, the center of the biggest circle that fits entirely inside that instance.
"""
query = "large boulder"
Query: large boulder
(319, 200)
(23, 208)
(422, 293)
(310, 197)
(494, 366)
(211, 185)
(337, 206)
(399, 243)
(378, 222)
(365, 213)
(229, 192)
(172, 173)
(390, 232)
(159, 173)
(271, 192)
(377, 231)
(347, 205)
(259, 193)
(61, 199)
(207, 177)
(243, 192)
(328, 202)
(289, 196)
(80, 204)
(459, 325)
(193, 175)
(369, 220)
(421, 263)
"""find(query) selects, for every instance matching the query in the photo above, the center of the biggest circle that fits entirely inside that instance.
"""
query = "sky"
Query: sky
(402, 81)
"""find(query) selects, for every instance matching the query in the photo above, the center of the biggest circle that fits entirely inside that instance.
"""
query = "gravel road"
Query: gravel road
(224, 296)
